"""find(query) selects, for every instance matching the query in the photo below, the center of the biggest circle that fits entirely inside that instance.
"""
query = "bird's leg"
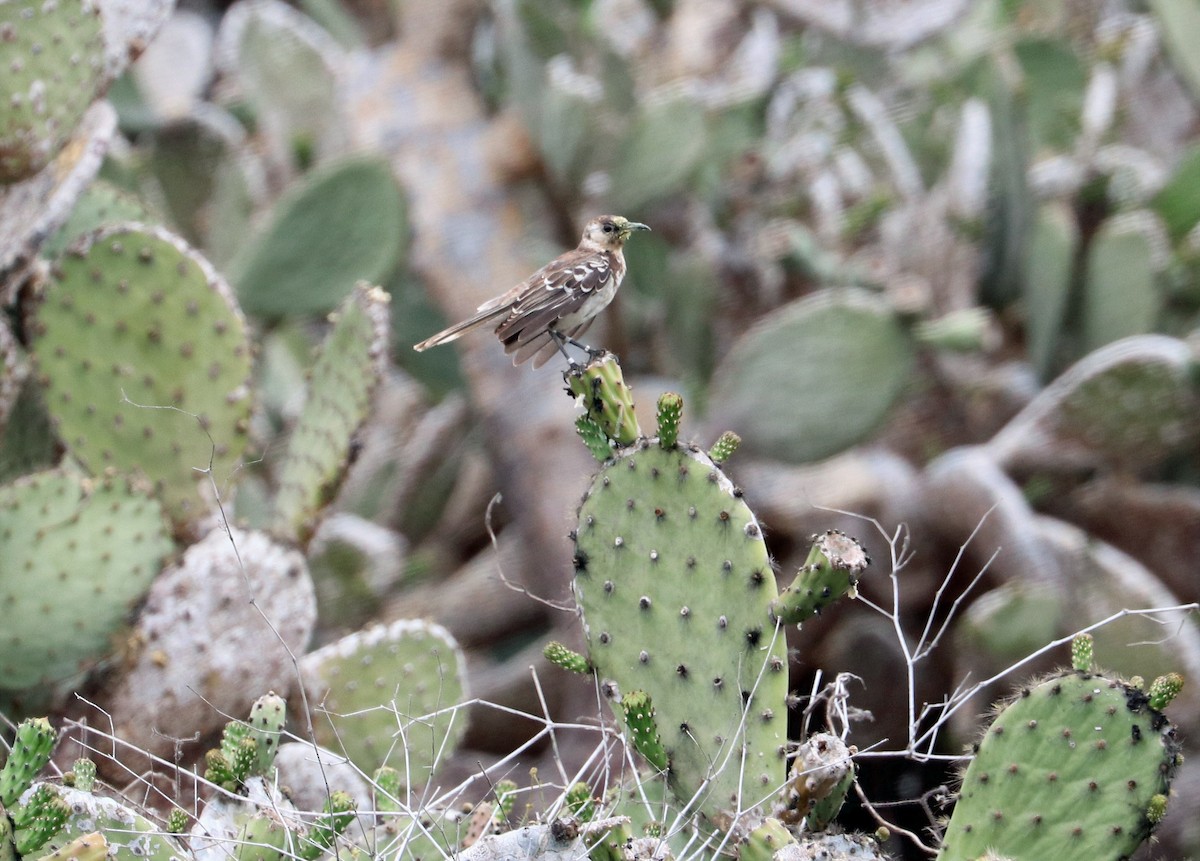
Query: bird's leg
(592, 354)
(562, 340)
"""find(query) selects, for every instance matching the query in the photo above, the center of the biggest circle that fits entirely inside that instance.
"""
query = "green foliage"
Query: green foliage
(41, 817)
(1120, 296)
(643, 731)
(349, 366)
(815, 378)
(146, 363)
(75, 555)
(53, 57)
(344, 223)
(389, 695)
(1069, 770)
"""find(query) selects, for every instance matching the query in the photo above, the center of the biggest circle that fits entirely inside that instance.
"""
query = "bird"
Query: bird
(554, 306)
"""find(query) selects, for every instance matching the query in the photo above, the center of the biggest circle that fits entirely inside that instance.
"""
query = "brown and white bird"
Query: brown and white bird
(555, 305)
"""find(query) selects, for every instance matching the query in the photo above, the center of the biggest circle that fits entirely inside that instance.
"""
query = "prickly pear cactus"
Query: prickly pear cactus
(388, 695)
(130, 835)
(145, 361)
(29, 754)
(53, 58)
(348, 369)
(1078, 766)
(676, 588)
(75, 554)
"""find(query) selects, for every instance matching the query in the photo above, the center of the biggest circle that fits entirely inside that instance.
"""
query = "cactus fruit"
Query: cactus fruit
(389, 695)
(675, 585)
(347, 371)
(130, 835)
(607, 401)
(82, 775)
(561, 656)
(53, 57)
(30, 752)
(831, 571)
(1070, 769)
(75, 555)
(669, 414)
(146, 362)
(177, 821)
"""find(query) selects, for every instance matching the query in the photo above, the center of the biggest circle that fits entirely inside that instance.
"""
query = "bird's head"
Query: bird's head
(609, 232)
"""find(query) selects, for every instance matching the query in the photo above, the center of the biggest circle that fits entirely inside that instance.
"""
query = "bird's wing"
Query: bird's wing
(554, 291)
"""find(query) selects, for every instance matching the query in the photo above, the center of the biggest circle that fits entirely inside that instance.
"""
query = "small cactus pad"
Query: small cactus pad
(639, 718)
(831, 571)
(389, 694)
(821, 775)
(29, 754)
(600, 388)
(131, 836)
(347, 371)
(39, 819)
(723, 449)
(101, 204)
(267, 717)
(593, 437)
(75, 555)
(1083, 653)
(257, 824)
(146, 362)
(764, 841)
(52, 55)
(1068, 770)
(559, 655)
(670, 413)
(675, 585)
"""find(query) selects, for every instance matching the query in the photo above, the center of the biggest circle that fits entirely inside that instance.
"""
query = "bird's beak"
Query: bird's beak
(635, 225)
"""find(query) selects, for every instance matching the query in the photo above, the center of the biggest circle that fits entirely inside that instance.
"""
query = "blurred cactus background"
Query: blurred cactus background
(935, 262)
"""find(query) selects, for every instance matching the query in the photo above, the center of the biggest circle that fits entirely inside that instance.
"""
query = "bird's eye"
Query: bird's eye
(608, 228)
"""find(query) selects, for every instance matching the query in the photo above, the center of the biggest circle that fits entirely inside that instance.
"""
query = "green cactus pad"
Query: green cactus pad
(131, 836)
(87, 847)
(831, 571)
(723, 449)
(29, 754)
(343, 224)
(593, 437)
(388, 695)
(41, 817)
(1127, 405)
(1083, 653)
(821, 775)
(257, 824)
(819, 376)
(75, 555)
(1052, 248)
(32, 210)
(1121, 295)
(347, 371)
(100, 204)
(82, 775)
(53, 58)
(764, 841)
(675, 585)
(1068, 770)
(1164, 689)
(607, 401)
(146, 363)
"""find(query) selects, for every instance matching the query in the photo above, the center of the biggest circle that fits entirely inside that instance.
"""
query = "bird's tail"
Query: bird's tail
(453, 333)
